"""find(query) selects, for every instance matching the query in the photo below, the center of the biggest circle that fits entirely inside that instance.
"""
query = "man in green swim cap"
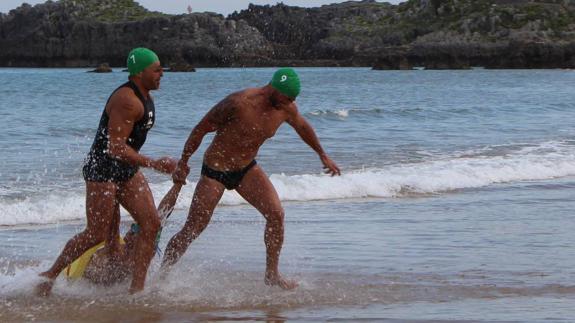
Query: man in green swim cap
(144, 65)
(286, 81)
(242, 122)
(113, 176)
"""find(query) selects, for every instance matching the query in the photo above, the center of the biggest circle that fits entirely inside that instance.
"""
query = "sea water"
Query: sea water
(455, 202)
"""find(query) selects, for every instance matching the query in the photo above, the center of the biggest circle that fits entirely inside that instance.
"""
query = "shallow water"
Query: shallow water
(428, 258)
(456, 202)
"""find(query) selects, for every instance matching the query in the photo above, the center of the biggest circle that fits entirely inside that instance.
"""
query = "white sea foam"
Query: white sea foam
(545, 161)
(341, 113)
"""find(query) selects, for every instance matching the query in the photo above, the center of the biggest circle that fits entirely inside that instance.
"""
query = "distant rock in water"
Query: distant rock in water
(180, 67)
(393, 61)
(102, 68)
(435, 34)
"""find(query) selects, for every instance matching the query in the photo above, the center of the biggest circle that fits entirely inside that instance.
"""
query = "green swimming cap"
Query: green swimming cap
(287, 82)
(140, 58)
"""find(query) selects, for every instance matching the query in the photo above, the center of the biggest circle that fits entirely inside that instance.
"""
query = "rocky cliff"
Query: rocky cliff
(86, 32)
(431, 33)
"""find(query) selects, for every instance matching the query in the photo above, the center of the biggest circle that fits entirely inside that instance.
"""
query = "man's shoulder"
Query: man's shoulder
(125, 99)
(246, 97)
(124, 93)
(236, 99)
(126, 96)
(238, 95)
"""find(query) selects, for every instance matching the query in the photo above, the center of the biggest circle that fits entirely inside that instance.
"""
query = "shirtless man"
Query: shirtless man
(243, 121)
(112, 174)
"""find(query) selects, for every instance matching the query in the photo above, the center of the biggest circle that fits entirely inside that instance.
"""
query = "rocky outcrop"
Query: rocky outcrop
(494, 34)
(180, 67)
(435, 34)
(51, 35)
(102, 68)
(332, 32)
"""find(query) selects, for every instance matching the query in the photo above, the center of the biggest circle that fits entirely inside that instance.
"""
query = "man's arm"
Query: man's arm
(195, 138)
(307, 134)
(124, 112)
(217, 116)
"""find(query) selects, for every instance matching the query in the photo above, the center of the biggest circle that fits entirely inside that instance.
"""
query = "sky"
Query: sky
(224, 7)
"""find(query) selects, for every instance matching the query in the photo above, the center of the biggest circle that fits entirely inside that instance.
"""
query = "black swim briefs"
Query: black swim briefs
(231, 180)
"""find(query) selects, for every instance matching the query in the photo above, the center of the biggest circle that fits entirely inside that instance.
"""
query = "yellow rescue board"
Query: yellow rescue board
(76, 269)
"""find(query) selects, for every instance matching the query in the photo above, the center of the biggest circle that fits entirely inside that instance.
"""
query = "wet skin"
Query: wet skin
(102, 198)
(243, 121)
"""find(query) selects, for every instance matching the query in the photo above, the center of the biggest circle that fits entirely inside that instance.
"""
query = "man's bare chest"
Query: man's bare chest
(260, 124)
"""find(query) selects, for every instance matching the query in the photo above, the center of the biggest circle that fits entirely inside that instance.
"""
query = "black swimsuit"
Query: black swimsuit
(231, 180)
(99, 166)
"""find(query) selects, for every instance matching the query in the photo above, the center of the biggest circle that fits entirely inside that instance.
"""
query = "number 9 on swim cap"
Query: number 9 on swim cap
(286, 81)
(139, 59)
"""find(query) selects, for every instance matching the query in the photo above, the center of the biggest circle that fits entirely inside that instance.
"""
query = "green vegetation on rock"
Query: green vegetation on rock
(432, 33)
(109, 10)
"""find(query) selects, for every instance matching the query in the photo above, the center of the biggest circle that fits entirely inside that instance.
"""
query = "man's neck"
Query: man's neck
(145, 92)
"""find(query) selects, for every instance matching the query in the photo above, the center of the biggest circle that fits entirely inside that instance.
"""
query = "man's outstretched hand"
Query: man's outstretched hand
(165, 165)
(329, 166)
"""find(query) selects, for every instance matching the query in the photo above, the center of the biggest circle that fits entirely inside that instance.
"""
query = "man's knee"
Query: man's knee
(275, 215)
(195, 226)
(199, 217)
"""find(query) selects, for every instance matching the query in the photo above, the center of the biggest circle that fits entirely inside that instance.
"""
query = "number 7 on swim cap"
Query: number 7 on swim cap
(139, 59)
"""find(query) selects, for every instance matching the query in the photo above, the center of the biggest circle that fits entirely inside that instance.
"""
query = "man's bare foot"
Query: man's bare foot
(136, 288)
(277, 280)
(164, 272)
(44, 288)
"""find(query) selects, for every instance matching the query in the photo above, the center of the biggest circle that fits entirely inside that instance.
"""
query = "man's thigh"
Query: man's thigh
(100, 203)
(207, 194)
(257, 189)
(136, 197)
